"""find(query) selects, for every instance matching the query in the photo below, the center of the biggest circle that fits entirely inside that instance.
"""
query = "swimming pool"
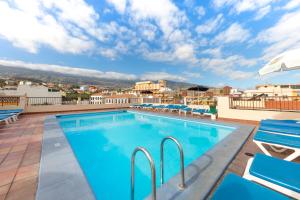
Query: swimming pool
(103, 144)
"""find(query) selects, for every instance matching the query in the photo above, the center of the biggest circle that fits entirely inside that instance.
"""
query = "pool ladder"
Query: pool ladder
(152, 166)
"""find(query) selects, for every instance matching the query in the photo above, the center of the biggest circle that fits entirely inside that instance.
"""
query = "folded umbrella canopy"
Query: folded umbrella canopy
(289, 60)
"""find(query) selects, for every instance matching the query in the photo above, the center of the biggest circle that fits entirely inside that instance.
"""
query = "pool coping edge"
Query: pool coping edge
(60, 171)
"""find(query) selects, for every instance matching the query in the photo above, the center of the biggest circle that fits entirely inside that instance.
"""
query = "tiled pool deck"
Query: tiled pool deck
(20, 150)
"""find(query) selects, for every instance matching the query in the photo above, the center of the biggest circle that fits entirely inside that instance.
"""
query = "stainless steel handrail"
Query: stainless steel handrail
(182, 185)
(152, 166)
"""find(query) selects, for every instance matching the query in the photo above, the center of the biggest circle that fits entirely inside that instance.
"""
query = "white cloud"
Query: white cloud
(182, 53)
(242, 5)
(292, 4)
(185, 53)
(235, 33)
(262, 12)
(211, 25)
(63, 25)
(214, 52)
(164, 12)
(158, 56)
(68, 70)
(229, 66)
(261, 7)
(120, 5)
(284, 35)
(192, 75)
(200, 11)
(162, 76)
(108, 53)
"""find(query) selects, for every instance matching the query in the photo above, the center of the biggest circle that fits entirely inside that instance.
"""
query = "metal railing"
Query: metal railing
(182, 185)
(44, 101)
(9, 101)
(152, 166)
(38, 101)
(284, 103)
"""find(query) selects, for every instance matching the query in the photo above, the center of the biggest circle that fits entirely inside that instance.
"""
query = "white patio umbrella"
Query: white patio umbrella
(289, 60)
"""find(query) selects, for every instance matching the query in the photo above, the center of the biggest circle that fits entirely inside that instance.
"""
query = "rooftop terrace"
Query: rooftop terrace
(20, 151)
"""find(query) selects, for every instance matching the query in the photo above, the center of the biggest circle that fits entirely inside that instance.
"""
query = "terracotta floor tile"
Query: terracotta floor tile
(6, 177)
(4, 150)
(31, 158)
(2, 196)
(27, 172)
(19, 147)
(23, 190)
(4, 189)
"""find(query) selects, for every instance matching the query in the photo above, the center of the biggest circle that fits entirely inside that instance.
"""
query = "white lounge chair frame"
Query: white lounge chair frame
(290, 157)
(183, 111)
(196, 113)
(6, 120)
(268, 184)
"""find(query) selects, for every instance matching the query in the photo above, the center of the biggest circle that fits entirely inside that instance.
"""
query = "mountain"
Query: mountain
(54, 77)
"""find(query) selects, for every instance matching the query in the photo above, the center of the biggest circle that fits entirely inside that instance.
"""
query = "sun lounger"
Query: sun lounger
(279, 128)
(11, 116)
(134, 106)
(278, 143)
(167, 107)
(280, 175)
(199, 111)
(185, 110)
(15, 112)
(176, 107)
(295, 123)
(146, 106)
(6, 119)
(234, 187)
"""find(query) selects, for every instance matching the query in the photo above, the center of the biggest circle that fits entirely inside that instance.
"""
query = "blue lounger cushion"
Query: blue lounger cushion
(3, 117)
(186, 109)
(280, 122)
(294, 130)
(234, 187)
(200, 110)
(11, 111)
(277, 171)
(7, 115)
(273, 138)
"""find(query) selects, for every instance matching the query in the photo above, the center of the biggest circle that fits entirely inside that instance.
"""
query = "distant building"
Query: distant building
(92, 88)
(119, 99)
(235, 92)
(150, 86)
(97, 98)
(226, 90)
(84, 88)
(274, 90)
(37, 94)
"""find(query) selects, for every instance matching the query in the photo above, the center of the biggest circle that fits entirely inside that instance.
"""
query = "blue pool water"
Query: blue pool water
(103, 144)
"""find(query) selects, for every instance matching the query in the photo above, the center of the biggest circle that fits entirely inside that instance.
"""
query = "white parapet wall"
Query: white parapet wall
(256, 115)
(65, 108)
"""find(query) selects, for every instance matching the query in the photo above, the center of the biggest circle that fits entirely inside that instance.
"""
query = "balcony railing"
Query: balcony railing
(9, 100)
(266, 103)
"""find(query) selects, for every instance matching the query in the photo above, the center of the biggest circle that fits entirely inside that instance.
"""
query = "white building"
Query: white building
(274, 90)
(97, 98)
(235, 92)
(119, 99)
(36, 94)
(84, 88)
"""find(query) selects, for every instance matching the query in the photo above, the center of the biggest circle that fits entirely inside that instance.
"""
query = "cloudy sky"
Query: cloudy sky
(216, 42)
